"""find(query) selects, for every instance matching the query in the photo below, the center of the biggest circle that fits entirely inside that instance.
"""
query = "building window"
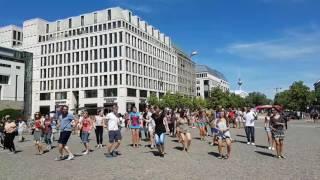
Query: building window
(5, 65)
(109, 14)
(131, 92)
(90, 93)
(113, 92)
(143, 93)
(4, 79)
(61, 95)
(44, 96)
(70, 23)
(95, 18)
(82, 20)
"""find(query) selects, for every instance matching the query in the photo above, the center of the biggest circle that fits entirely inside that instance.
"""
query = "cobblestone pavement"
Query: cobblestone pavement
(302, 148)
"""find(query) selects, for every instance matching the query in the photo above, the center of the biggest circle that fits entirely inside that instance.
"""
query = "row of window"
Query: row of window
(111, 92)
(105, 80)
(103, 27)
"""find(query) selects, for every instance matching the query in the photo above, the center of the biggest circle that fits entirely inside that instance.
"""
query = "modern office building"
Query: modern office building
(15, 79)
(99, 59)
(186, 73)
(208, 78)
(317, 85)
(10, 36)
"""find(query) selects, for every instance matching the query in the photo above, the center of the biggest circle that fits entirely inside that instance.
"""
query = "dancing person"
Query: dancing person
(170, 123)
(185, 135)
(114, 133)
(202, 122)
(135, 126)
(99, 124)
(38, 132)
(160, 129)
(223, 134)
(21, 127)
(47, 132)
(85, 126)
(277, 123)
(239, 118)
(151, 125)
(10, 133)
(249, 117)
(212, 123)
(66, 121)
(268, 130)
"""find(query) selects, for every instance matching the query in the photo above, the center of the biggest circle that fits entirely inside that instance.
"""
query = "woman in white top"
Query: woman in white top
(223, 134)
(21, 127)
(99, 124)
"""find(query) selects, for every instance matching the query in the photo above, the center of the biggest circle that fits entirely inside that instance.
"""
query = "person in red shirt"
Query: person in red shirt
(37, 131)
(86, 127)
(47, 131)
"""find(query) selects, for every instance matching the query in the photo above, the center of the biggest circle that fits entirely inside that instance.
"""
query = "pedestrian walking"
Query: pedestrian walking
(99, 124)
(277, 124)
(160, 129)
(66, 121)
(47, 132)
(223, 134)
(37, 132)
(114, 133)
(202, 123)
(268, 131)
(151, 126)
(85, 126)
(185, 135)
(10, 133)
(135, 126)
(250, 118)
(21, 127)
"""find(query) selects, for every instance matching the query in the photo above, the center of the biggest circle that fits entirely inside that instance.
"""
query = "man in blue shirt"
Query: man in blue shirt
(66, 121)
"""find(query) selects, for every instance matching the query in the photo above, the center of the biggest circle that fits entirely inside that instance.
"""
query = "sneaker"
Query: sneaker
(85, 153)
(253, 144)
(248, 143)
(283, 157)
(118, 153)
(114, 154)
(220, 157)
(60, 158)
(269, 148)
(109, 155)
(70, 157)
(279, 157)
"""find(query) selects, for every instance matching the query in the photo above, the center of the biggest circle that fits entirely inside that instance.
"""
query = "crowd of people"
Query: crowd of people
(153, 123)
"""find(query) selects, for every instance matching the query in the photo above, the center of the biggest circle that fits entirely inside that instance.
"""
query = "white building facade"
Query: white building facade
(11, 79)
(10, 36)
(208, 78)
(98, 59)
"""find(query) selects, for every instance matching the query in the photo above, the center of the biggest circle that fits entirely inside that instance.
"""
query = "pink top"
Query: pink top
(86, 125)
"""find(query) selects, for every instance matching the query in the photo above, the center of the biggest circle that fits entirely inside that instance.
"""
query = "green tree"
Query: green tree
(256, 99)
(13, 113)
(218, 98)
(153, 100)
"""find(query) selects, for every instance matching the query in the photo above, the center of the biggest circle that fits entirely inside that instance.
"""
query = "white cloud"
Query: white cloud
(293, 45)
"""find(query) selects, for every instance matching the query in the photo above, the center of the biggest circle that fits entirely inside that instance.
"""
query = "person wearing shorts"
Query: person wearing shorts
(86, 126)
(223, 134)
(185, 135)
(38, 128)
(66, 120)
(114, 133)
(135, 126)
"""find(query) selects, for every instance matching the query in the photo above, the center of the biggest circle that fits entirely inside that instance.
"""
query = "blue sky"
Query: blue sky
(268, 43)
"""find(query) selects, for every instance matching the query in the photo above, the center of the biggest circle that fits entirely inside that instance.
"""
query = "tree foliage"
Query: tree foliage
(256, 99)
(298, 97)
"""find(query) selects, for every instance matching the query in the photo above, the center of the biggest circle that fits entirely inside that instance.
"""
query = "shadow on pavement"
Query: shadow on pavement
(263, 147)
(18, 151)
(264, 153)
(175, 140)
(239, 135)
(197, 138)
(243, 142)
(179, 148)
(214, 154)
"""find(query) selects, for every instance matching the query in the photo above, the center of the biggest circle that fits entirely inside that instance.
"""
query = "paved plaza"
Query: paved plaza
(302, 148)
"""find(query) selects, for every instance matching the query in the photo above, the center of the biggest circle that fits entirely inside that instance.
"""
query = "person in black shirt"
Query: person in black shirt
(160, 129)
(277, 125)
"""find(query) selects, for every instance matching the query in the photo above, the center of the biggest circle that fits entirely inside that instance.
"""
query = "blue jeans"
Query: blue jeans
(160, 139)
